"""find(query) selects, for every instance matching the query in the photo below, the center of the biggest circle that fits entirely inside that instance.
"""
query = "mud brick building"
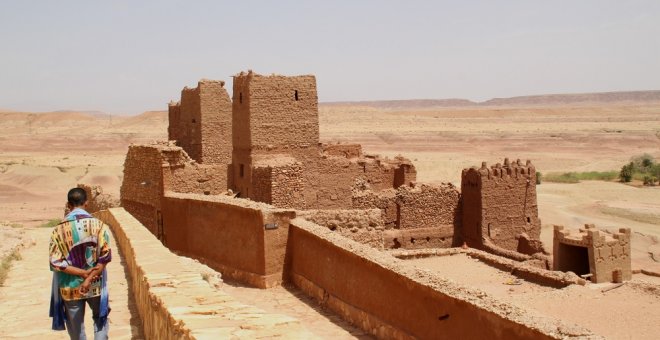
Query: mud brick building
(264, 145)
(499, 207)
(593, 253)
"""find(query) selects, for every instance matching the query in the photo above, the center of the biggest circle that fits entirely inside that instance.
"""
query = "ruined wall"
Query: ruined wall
(164, 284)
(96, 199)
(420, 216)
(142, 186)
(499, 203)
(176, 127)
(201, 122)
(278, 180)
(362, 225)
(591, 251)
(384, 200)
(242, 239)
(343, 150)
(427, 205)
(334, 183)
(150, 170)
(372, 290)
(385, 173)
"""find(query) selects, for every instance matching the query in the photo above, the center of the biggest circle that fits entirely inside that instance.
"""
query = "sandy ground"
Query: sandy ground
(42, 156)
(627, 312)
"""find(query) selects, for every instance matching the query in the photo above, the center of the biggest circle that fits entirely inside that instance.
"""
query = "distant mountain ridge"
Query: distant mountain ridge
(546, 99)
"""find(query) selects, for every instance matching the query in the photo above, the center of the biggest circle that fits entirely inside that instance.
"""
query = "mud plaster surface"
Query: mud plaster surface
(627, 312)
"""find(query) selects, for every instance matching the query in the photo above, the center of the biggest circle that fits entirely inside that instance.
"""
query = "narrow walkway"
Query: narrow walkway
(24, 299)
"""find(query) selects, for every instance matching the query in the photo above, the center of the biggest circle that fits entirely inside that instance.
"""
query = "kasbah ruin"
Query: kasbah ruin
(245, 187)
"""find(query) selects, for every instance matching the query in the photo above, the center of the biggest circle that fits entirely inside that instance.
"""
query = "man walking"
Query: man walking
(79, 251)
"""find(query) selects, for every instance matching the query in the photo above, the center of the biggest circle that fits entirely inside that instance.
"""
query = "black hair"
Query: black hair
(77, 197)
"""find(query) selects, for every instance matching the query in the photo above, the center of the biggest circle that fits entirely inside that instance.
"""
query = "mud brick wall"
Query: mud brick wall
(606, 256)
(364, 226)
(176, 127)
(264, 108)
(96, 199)
(164, 284)
(377, 293)
(190, 123)
(230, 235)
(279, 181)
(335, 180)
(426, 206)
(201, 122)
(384, 200)
(196, 178)
(142, 186)
(500, 203)
(343, 150)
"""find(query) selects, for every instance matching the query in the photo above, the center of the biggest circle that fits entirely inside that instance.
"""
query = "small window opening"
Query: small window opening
(489, 235)
(240, 170)
(194, 121)
(296, 95)
(529, 220)
(240, 97)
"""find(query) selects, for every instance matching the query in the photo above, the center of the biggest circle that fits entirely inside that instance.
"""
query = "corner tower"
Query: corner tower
(499, 206)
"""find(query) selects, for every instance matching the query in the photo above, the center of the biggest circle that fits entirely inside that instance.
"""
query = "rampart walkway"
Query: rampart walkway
(25, 297)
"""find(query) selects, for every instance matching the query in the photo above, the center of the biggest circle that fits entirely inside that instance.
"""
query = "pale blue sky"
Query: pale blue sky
(132, 56)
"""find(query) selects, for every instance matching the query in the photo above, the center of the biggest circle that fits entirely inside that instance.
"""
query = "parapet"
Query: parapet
(591, 236)
(592, 253)
(509, 169)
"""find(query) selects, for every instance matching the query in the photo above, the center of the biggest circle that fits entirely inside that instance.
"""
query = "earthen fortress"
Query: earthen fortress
(264, 145)
(245, 186)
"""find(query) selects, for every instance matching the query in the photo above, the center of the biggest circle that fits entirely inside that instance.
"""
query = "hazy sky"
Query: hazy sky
(132, 56)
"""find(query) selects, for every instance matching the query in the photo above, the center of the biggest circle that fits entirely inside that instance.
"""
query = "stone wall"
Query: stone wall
(389, 300)
(384, 200)
(278, 180)
(179, 298)
(361, 225)
(499, 203)
(142, 186)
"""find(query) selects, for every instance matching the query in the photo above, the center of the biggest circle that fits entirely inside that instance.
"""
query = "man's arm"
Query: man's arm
(94, 272)
(71, 270)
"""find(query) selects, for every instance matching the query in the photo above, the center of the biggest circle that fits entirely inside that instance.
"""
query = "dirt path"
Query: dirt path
(24, 299)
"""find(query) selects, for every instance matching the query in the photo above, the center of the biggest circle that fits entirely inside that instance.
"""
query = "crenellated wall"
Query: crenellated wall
(499, 204)
(604, 257)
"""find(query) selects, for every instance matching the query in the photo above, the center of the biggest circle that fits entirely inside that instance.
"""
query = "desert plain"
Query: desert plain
(42, 155)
